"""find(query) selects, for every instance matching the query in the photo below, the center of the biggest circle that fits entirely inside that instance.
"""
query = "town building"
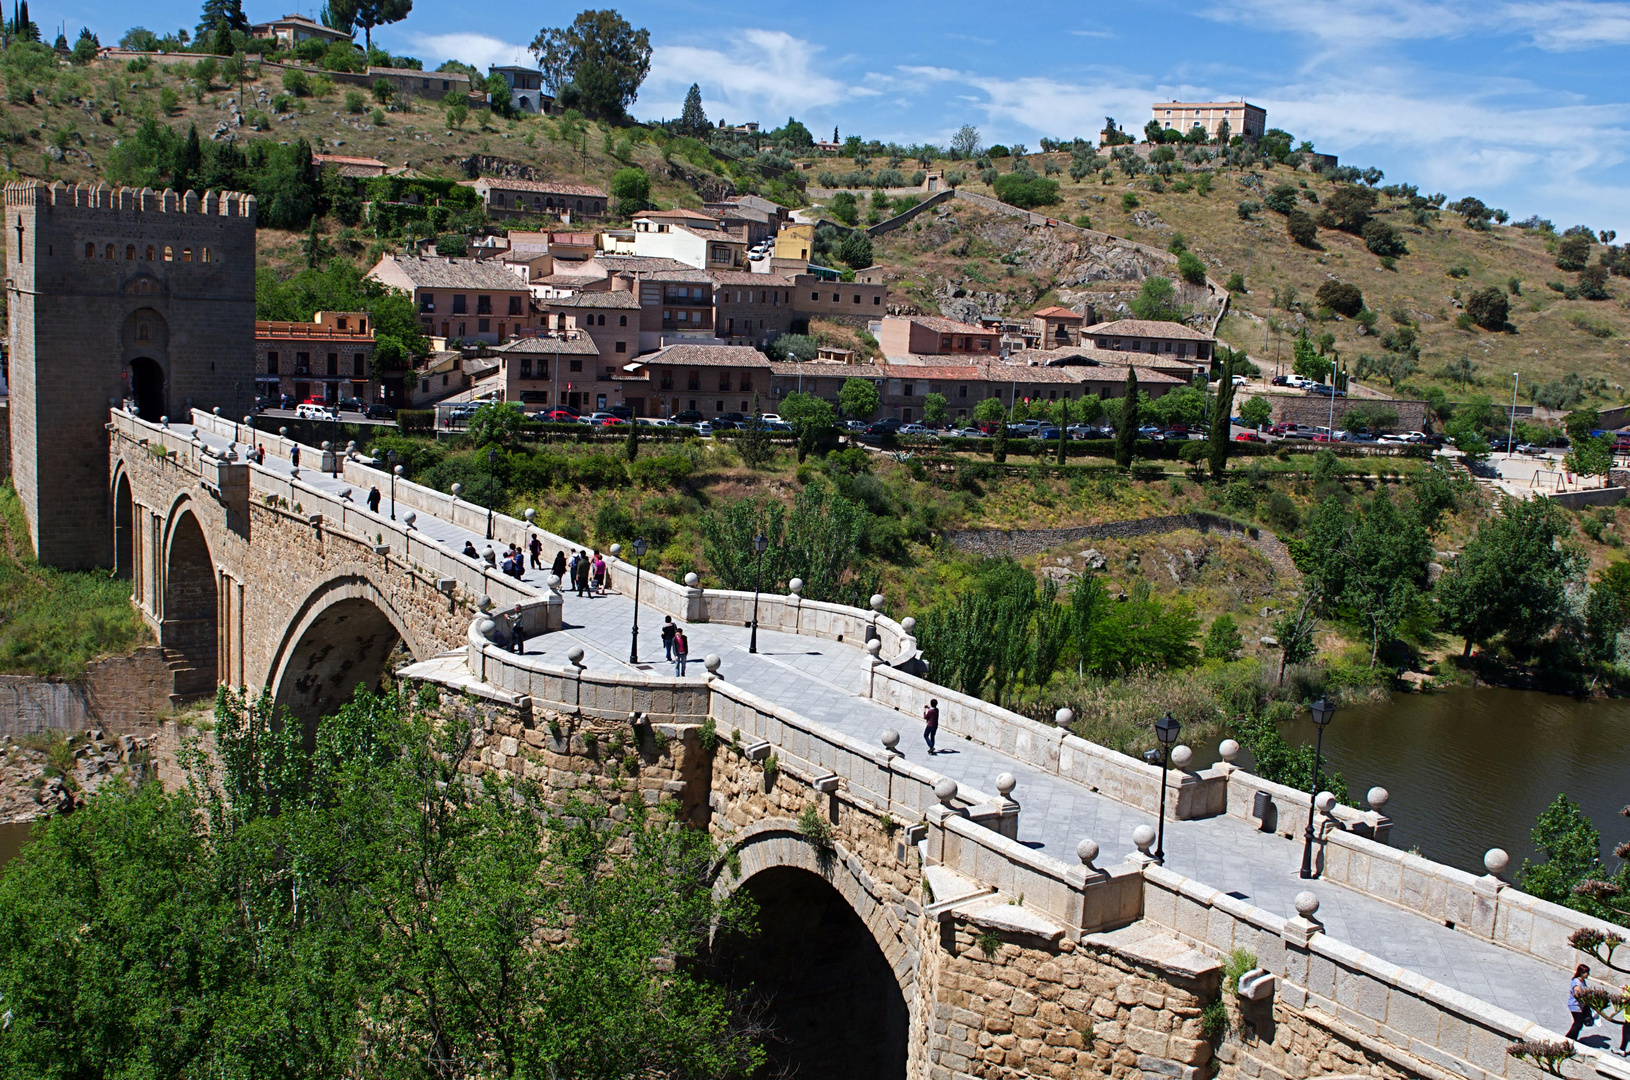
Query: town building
(813, 296)
(560, 370)
(795, 243)
(439, 375)
(526, 92)
(460, 299)
(710, 379)
(357, 168)
(751, 309)
(1167, 339)
(689, 236)
(1055, 326)
(327, 359)
(1242, 117)
(907, 336)
(291, 30)
(505, 198)
(610, 317)
(411, 82)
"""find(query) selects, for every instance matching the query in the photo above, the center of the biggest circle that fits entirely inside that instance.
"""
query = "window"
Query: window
(186, 253)
(602, 320)
(462, 330)
(461, 304)
(835, 298)
(622, 320)
(962, 391)
(526, 367)
(130, 253)
(90, 251)
(814, 296)
(302, 363)
(907, 389)
(271, 363)
(724, 381)
(169, 253)
(427, 302)
(110, 251)
(945, 344)
(574, 365)
(483, 305)
(206, 255)
(149, 252)
(483, 326)
(358, 367)
(622, 346)
(877, 301)
(515, 305)
(857, 298)
(333, 364)
(694, 381)
(984, 344)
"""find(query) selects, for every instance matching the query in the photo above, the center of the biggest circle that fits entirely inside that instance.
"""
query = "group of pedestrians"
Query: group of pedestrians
(589, 575)
(675, 645)
(1581, 1013)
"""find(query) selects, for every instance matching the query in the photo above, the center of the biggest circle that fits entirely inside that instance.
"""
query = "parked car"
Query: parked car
(310, 411)
(704, 429)
(380, 411)
(1392, 439)
(599, 417)
(352, 404)
(1280, 380)
(689, 416)
(1531, 450)
(719, 423)
(883, 427)
(772, 418)
(1249, 436)
(970, 433)
(733, 417)
(918, 430)
(1086, 431)
(1047, 432)
(559, 416)
(1241, 380)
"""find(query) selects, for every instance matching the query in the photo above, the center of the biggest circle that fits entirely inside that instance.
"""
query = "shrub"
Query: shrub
(1282, 199)
(1573, 252)
(1341, 297)
(1299, 224)
(1384, 240)
(1236, 282)
(1129, 201)
(1457, 272)
(1488, 307)
(1026, 192)
(661, 470)
(354, 101)
(1191, 268)
(296, 82)
(1246, 208)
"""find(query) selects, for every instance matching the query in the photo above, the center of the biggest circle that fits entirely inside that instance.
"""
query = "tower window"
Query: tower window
(186, 254)
(169, 253)
(206, 255)
(130, 253)
(90, 251)
(110, 251)
(149, 252)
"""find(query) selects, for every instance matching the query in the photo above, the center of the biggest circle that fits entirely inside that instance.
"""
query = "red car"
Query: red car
(611, 421)
(1249, 436)
(558, 416)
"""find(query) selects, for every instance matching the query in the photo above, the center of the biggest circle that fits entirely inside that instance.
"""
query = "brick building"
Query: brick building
(538, 198)
(463, 299)
(611, 318)
(1168, 339)
(1242, 117)
(559, 371)
(907, 336)
(711, 379)
(411, 82)
(751, 309)
(812, 296)
(151, 301)
(1054, 326)
(328, 358)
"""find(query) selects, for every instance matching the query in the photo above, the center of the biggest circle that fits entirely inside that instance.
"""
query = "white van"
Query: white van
(307, 411)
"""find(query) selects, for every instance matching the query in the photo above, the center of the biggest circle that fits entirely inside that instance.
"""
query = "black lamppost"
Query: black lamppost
(396, 470)
(760, 542)
(1323, 713)
(492, 482)
(634, 648)
(1166, 731)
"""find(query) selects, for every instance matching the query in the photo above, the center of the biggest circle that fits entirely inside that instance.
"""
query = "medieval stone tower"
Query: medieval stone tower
(117, 295)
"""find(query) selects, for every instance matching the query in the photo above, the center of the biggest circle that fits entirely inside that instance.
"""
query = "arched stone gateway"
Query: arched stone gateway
(124, 523)
(188, 625)
(820, 961)
(341, 638)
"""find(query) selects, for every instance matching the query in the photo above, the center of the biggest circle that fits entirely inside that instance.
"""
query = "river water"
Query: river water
(1471, 769)
(12, 839)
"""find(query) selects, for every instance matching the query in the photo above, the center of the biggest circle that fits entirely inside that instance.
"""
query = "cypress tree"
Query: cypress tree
(1222, 408)
(692, 120)
(188, 160)
(998, 448)
(1063, 428)
(1126, 428)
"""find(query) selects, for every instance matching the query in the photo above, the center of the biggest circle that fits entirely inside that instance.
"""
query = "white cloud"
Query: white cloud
(1566, 25)
(478, 49)
(763, 75)
(1356, 25)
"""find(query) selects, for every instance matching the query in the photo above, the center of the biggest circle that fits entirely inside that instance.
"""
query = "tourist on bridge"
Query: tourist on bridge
(580, 572)
(535, 547)
(559, 568)
(931, 723)
(470, 552)
(1576, 1006)
(668, 632)
(294, 456)
(517, 632)
(681, 651)
(373, 500)
(599, 574)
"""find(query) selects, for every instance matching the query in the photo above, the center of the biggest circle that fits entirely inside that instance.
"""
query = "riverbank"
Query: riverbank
(44, 773)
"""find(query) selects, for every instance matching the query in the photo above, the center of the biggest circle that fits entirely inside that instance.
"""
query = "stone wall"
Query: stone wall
(1315, 411)
(123, 694)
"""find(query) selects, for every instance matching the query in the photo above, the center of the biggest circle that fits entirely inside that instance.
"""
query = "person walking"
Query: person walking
(559, 568)
(931, 723)
(668, 632)
(1576, 1006)
(580, 573)
(681, 651)
(599, 574)
(535, 547)
(294, 456)
(373, 500)
(517, 632)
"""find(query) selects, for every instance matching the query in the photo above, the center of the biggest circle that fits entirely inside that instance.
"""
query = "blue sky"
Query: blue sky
(1523, 103)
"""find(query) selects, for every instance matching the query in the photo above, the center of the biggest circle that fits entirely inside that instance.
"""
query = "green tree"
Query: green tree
(1223, 640)
(1126, 424)
(824, 533)
(1591, 455)
(601, 56)
(1510, 580)
(1256, 412)
(1157, 301)
(855, 250)
(631, 187)
(1571, 846)
(811, 418)
(1387, 554)
(1573, 252)
(1348, 208)
(843, 207)
(1300, 225)
(1341, 297)
(1307, 362)
(1382, 239)
(1488, 307)
(499, 422)
(1026, 192)
(368, 14)
(935, 408)
(217, 12)
(858, 398)
(693, 120)
(1191, 268)
(1220, 435)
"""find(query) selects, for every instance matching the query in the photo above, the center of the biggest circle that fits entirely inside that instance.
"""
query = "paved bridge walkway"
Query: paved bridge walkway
(824, 680)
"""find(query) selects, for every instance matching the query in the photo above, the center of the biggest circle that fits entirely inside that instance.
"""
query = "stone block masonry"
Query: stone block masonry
(116, 295)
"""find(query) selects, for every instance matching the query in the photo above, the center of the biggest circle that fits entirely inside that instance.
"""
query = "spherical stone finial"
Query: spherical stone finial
(575, 655)
(1325, 802)
(1064, 718)
(945, 790)
(1496, 861)
(409, 518)
(486, 628)
(1005, 783)
(615, 549)
(530, 514)
(397, 471)
(216, 410)
(248, 421)
(1377, 797)
(1229, 750)
(908, 624)
(891, 739)
(164, 421)
(283, 432)
(691, 579)
(877, 601)
(485, 603)
(1144, 837)
(327, 446)
(554, 582)
(875, 646)
(1182, 757)
(711, 661)
(1306, 904)
(1086, 851)
(458, 489)
(795, 586)
(351, 447)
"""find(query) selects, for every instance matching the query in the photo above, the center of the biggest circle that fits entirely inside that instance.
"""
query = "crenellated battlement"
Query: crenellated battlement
(101, 197)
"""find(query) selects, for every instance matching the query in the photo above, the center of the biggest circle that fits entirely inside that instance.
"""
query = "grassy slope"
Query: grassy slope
(54, 621)
(1546, 344)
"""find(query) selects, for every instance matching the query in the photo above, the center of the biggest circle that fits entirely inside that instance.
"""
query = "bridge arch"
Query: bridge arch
(342, 637)
(190, 604)
(124, 524)
(835, 969)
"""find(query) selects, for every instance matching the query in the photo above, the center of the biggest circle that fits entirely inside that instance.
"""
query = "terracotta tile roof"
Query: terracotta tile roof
(613, 298)
(345, 159)
(542, 187)
(640, 264)
(942, 325)
(817, 369)
(744, 277)
(440, 273)
(708, 356)
(680, 213)
(1056, 312)
(1147, 328)
(551, 346)
(415, 73)
(570, 281)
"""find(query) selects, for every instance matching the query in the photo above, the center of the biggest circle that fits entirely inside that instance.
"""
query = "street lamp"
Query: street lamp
(1511, 423)
(1323, 713)
(492, 464)
(634, 647)
(396, 470)
(1166, 732)
(760, 543)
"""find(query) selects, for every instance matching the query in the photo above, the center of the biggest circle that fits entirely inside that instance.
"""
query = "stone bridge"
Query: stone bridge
(991, 911)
